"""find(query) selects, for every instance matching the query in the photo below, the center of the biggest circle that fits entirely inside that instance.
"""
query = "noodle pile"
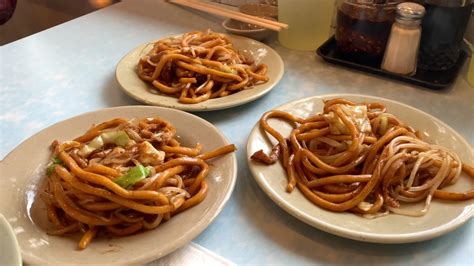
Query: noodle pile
(123, 176)
(357, 157)
(198, 66)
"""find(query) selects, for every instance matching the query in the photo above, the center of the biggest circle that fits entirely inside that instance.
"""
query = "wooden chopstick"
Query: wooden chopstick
(265, 23)
(225, 13)
(276, 23)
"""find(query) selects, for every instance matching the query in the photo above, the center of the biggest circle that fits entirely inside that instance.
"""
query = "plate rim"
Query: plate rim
(30, 258)
(10, 235)
(341, 231)
(191, 107)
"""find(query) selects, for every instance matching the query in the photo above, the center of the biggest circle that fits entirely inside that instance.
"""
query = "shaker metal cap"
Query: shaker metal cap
(410, 11)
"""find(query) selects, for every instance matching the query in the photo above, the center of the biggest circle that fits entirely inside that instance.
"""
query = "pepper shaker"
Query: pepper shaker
(443, 26)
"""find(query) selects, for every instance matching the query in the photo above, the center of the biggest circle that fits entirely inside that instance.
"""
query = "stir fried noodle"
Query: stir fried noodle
(198, 66)
(124, 176)
(357, 157)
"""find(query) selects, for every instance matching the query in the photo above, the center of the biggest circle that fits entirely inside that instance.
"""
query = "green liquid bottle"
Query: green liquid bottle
(309, 23)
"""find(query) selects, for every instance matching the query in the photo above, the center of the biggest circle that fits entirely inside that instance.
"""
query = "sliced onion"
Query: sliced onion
(198, 89)
(153, 224)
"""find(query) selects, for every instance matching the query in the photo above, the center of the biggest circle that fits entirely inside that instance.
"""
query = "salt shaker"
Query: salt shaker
(404, 41)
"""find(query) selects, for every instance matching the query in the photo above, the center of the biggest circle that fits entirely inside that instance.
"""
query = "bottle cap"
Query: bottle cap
(410, 11)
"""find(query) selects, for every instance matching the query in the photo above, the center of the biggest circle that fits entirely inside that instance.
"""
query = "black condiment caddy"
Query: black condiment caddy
(429, 79)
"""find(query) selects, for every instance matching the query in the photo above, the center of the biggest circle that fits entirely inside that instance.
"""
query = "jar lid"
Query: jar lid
(410, 11)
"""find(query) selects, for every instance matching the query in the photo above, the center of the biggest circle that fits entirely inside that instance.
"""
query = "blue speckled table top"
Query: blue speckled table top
(70, 69)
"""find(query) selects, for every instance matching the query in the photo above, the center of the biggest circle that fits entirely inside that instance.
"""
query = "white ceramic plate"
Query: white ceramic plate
(136, 88)
(9, 249)
(442, 217)
(23, 172)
